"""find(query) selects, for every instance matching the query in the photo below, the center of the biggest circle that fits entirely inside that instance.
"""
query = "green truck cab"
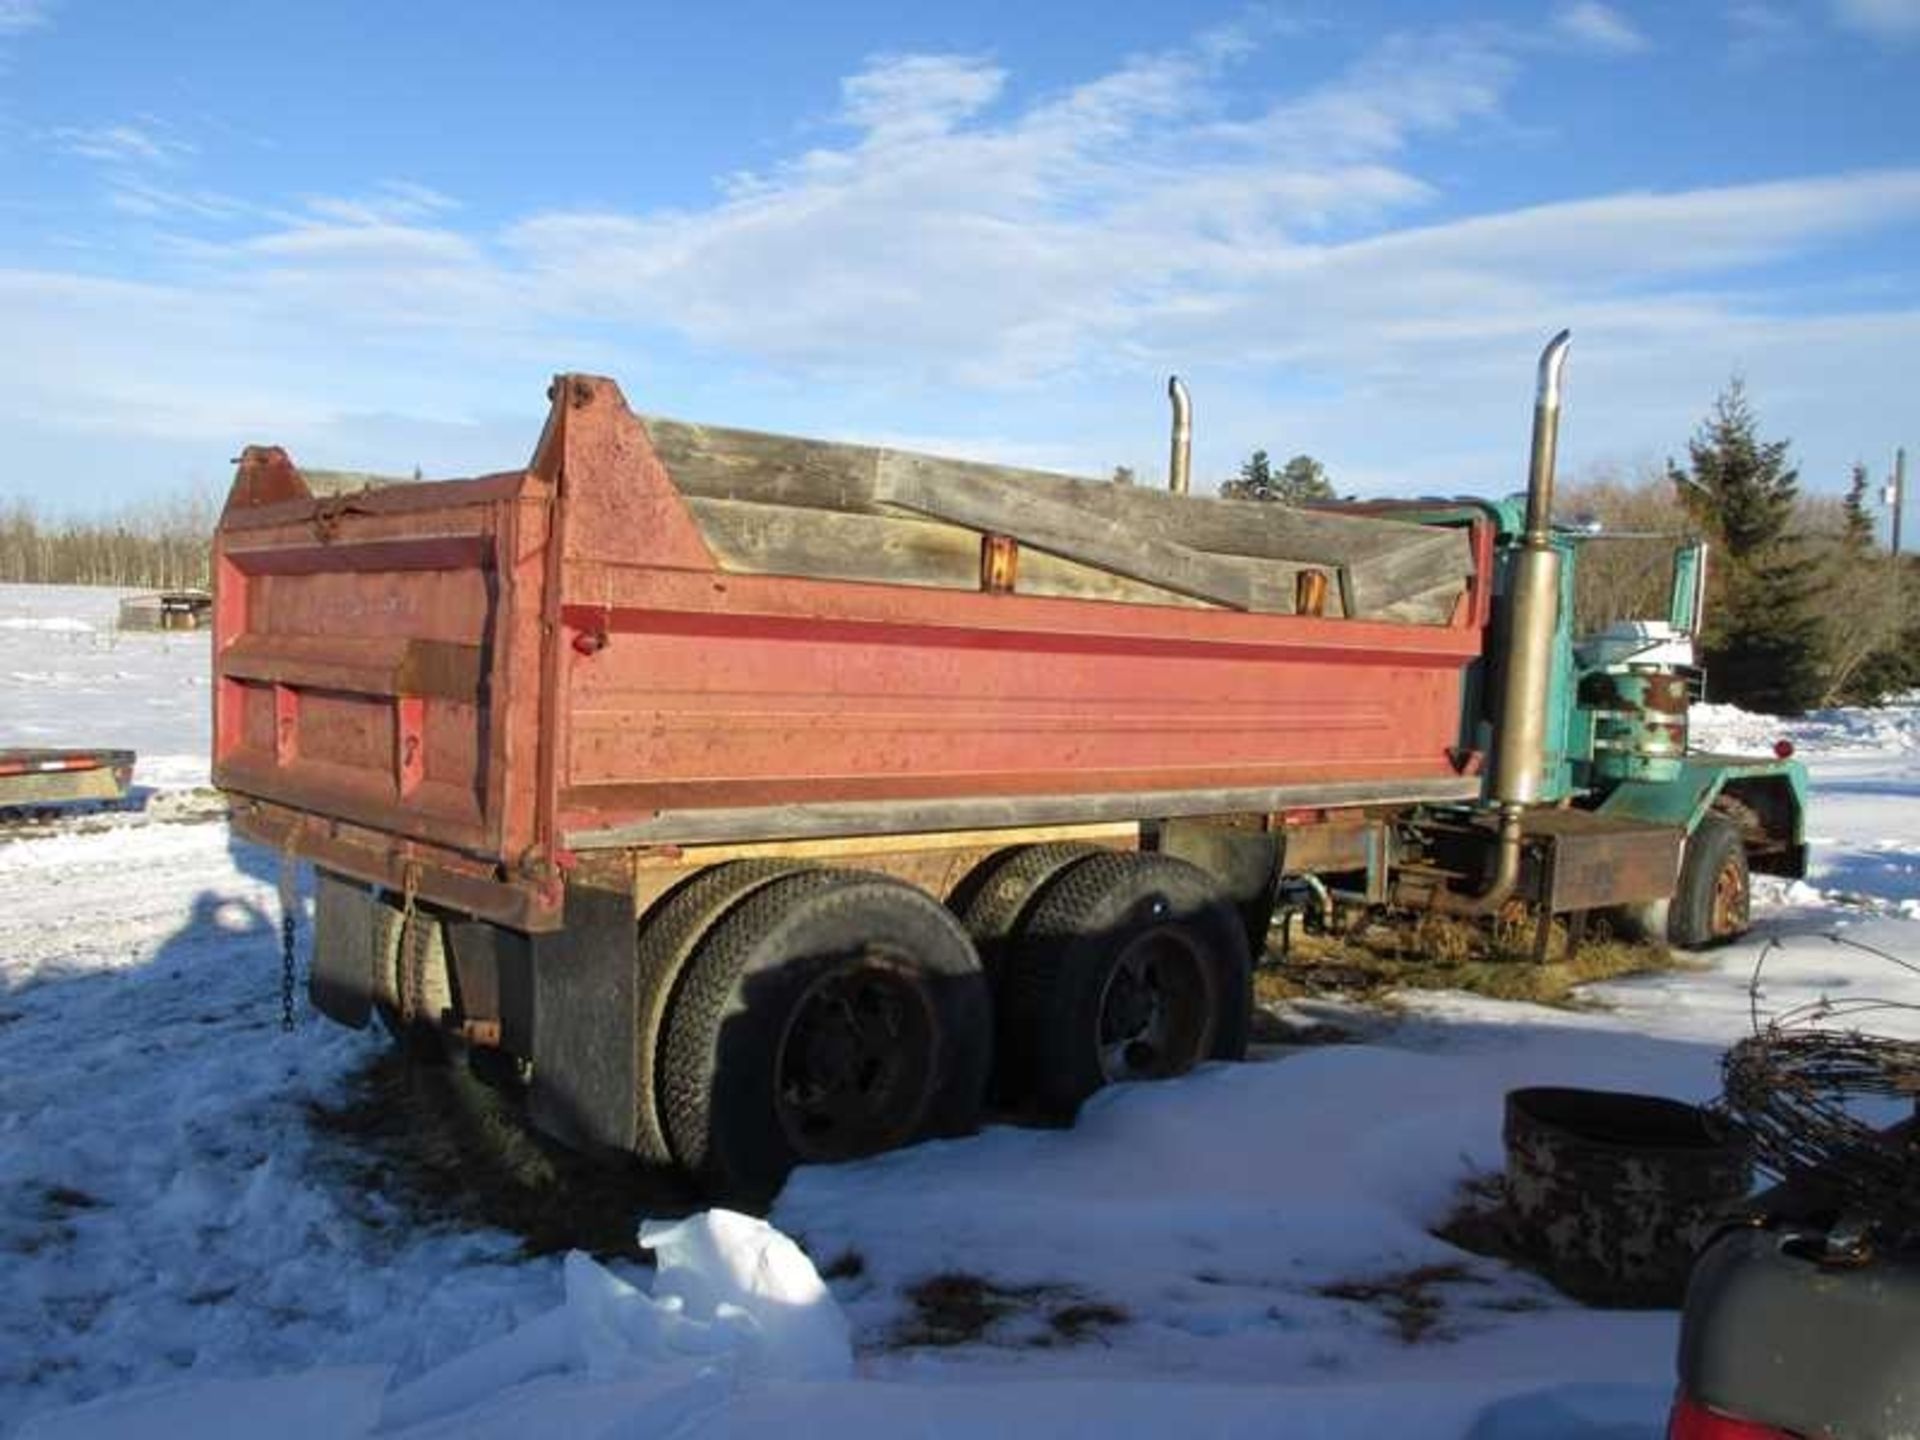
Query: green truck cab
(1618, 745)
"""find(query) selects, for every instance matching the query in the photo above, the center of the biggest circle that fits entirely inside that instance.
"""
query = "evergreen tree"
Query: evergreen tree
(1300, 480)
(1741, 488)
(1858, 534)
(1254, 482)
(1303, 479)
(1763, 646)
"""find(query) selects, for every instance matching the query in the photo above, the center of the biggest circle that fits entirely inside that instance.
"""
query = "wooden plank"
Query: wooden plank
(1428, 607)
(988, 499)
(1376, 562)
(1044, 574)
(769, 539)
(843, 849)
(749, 537)
(724, 464)
(1443, 559)
(328, 483)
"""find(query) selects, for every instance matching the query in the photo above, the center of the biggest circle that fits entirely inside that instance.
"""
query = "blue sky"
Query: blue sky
(372, 232)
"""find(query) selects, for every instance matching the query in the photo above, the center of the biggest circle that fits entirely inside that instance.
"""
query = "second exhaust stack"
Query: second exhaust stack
(1180, 461)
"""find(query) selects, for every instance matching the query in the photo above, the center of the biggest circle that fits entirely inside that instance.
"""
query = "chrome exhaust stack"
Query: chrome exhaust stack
(1533, 607)
(1520, 734)
(1180, 461)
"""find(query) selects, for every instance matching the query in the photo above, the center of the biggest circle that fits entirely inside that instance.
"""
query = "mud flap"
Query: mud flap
(585, 1012)
(347, 941)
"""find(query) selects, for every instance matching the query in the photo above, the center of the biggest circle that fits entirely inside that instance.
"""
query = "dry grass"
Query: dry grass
(955, 1308)
(1434, 952)
(1411, 1300)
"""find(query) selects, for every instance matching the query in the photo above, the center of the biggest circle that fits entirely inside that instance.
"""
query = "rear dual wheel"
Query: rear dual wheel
(1119, 967)
(826, 1015)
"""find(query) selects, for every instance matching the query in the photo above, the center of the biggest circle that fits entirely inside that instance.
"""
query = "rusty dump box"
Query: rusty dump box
(661, 635)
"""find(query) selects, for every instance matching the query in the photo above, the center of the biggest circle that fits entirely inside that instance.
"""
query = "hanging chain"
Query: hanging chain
(289, 907)
(412, 959)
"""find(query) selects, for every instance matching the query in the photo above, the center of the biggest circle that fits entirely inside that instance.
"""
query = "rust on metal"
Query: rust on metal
(531, 662)
(1586, 861)
(999, 564)
(1310, 592)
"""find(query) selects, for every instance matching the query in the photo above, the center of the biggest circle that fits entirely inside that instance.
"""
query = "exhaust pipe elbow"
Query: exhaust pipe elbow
(1500, 885)
(1546, 440)
(1180, 460)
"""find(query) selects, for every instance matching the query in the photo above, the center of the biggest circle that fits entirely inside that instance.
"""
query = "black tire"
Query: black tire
(668, 934)
(829, 1015)
(1130, 967)
(995, 898)
(993, 903)
(1713, 898)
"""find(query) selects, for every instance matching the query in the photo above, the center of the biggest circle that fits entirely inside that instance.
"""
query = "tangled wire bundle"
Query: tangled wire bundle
(1793, 1086)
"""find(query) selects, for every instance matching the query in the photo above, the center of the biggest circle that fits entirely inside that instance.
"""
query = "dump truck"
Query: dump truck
(753, 801)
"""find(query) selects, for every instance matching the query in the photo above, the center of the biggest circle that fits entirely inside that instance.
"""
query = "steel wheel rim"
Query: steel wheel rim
(1155, 1009)
(854, 1066)
(1729, 898)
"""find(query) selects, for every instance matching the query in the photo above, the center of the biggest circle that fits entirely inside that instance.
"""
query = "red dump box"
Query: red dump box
(661, 635)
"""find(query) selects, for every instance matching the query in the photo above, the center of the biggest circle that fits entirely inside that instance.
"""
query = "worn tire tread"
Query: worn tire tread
(743, 943)
(669, 934)
(1042, 985)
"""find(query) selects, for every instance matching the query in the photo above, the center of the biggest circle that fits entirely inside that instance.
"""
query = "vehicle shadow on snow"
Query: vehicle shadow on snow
(413, 1132)
(454, 1149)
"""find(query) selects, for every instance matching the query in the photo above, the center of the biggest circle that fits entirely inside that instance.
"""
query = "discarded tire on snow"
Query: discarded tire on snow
(1612, 1194)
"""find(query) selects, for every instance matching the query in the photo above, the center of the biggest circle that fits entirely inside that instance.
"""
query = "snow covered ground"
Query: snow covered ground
(171, 1215)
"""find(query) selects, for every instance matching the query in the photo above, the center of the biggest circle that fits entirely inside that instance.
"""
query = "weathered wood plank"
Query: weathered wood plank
(1376, 563)
(1429, 607)
(988, 499)
(724, 464)
(826, 545)
(1442, 558)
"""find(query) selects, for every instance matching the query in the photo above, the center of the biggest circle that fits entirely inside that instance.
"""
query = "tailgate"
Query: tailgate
(377, 679)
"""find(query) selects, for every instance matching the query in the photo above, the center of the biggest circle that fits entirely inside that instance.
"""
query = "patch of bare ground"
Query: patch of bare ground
(956, 1308)
(1412, 1302)
(434, 1140)
(1378, 957)
(1478, 1224)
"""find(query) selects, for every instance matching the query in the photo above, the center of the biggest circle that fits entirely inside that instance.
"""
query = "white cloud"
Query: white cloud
(911, 97)
(1595, 26)
(123, 144)
(1893, 20)
(1035, 258)
(18, 15)
(133, 195)
(1021, 248)
(391, 202)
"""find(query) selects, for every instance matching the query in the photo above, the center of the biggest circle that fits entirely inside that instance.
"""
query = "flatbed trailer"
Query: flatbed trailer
(33, 777)
(760, 798)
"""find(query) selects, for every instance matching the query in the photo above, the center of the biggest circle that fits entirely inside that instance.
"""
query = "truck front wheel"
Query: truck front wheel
(830, 1015)
(1712, 899)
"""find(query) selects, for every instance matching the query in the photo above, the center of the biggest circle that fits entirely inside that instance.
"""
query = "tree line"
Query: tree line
(161, 545)
(1805, 608)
